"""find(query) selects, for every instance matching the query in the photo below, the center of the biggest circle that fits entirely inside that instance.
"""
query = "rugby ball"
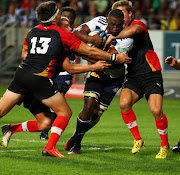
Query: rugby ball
(103, 35)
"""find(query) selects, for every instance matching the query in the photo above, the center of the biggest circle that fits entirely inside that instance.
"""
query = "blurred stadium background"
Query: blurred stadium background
(162, 18)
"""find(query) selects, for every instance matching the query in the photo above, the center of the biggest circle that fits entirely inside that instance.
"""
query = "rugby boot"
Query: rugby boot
(69, 144)
(6, 135)
(163, 152)
(44, 135)
(75, 150)
(176, 148)
(138, 144)
(52, 152)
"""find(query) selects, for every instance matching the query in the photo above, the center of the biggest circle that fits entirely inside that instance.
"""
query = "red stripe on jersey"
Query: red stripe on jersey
(153, 60)
(138, 22)
(48, 71)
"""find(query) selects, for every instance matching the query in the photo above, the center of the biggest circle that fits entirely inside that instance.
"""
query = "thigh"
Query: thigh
(94, 86)
(35, 106)
(58, 104)
(8, 101)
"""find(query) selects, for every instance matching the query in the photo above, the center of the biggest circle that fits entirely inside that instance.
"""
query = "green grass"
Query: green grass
(106, 149)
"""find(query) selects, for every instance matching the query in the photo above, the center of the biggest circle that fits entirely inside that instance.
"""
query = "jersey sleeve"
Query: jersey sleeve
(92, 23)
(124, 45)
(141, 24)
(69, 40)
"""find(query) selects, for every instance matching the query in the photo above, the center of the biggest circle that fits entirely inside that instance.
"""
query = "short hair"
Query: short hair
(46, 10)
(125, 3)
(69, 9)
(116, 13)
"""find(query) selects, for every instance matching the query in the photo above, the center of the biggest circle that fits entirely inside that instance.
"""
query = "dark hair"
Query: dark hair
(116, 13)
(46, 10)
(69, 9)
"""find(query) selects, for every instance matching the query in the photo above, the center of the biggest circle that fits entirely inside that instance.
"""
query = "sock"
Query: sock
(162, 127)
(82, 127)
(57, 129)
(30, 125)
(130, 119)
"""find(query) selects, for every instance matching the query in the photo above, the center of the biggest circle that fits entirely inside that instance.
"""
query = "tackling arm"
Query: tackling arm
(99, 54)
(75, 68)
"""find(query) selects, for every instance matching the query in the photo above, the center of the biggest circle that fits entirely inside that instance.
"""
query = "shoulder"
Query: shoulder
(140, 23)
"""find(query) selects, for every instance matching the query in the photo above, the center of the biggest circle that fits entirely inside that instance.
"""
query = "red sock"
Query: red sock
(162, 127)
(30, 125)
(57, 129)
(130, 119)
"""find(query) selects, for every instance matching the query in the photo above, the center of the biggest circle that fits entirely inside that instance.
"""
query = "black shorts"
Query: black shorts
(26, 83)
(35, 106)
(145, 84)
(105, 86)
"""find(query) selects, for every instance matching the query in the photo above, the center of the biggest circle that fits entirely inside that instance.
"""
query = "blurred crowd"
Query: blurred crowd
(156, 14)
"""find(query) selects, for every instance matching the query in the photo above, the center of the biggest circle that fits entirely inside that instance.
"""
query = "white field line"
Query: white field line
(90, 146)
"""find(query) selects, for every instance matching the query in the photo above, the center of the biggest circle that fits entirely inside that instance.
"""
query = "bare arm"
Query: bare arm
(125, 33)
(99, 54)
(75, 68)
(171, 61)
(82, 33)
(24, 52)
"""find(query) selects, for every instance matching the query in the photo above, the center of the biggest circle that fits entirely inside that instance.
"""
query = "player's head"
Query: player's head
(70, 13)
(48, 13)
(126, 7)
(65, 24)
(115, 21)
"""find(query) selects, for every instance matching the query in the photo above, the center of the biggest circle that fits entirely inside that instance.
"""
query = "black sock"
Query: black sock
(82, 127)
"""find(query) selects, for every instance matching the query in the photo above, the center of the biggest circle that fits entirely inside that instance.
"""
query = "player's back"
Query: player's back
(44, 50)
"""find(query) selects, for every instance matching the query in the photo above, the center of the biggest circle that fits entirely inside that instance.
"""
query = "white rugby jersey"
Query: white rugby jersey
(123, 45)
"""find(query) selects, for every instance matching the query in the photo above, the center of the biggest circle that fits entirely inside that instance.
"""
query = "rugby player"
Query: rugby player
(101, 86)
(46, 43)
(144, 78)
(64, 79)
(173, 62)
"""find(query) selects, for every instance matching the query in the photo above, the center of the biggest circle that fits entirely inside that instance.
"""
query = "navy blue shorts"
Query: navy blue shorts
(104, 85)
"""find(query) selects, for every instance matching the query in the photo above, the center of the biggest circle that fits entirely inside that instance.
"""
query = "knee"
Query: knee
(124, 105)
(157, 112)
(45, 124)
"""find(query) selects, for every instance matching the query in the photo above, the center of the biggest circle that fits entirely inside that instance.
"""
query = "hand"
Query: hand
(108, 42)
(171, 61)
(100, 65)
(97, 40)
(123, 58)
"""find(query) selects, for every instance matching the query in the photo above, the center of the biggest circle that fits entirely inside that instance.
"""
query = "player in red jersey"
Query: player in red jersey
(143, 78)
(171, 61)
(46, 44)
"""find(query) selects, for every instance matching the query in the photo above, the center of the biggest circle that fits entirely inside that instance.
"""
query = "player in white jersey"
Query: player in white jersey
(101, 86)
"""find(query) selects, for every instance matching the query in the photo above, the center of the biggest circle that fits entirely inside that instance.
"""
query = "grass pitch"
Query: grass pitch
(106, 149)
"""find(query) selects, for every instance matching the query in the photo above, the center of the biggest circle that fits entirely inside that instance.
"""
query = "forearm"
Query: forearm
(129, 31)
(83, 35)
(76, 69)
(93, 52)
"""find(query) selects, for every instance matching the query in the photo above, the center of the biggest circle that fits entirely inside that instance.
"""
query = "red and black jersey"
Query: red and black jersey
(144, 59)
(46, 46)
